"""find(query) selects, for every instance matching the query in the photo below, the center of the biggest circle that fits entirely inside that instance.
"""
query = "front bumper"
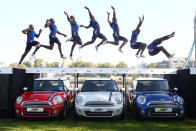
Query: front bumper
(176, 112)
(88, 111)
(50, 111)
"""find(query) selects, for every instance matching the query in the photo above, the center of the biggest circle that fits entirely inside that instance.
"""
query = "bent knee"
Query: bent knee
(125, 40)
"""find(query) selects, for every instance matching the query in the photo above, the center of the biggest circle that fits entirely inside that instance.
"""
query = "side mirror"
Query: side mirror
(122, 89)
(70, 89)
(130, 89)
(77, 89)
(175, 89)
(25, 89)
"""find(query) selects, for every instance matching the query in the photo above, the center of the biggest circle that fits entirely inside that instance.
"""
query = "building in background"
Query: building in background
(176, 62)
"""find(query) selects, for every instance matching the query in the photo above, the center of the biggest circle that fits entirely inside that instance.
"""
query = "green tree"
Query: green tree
(105, 65)
(2, 64)
(121, 64)
(82, 64)
(152, 65)
(28, 64)
(39, 63)
(14, 65)
(55, 64)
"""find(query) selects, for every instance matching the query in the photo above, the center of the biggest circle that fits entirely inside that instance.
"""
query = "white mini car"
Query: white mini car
(99, 97)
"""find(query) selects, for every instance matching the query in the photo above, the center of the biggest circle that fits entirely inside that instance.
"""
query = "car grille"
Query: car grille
(162, 104)
(36, 103)
(163, 114)
(99, 103)
(98, 114)
(34, 114)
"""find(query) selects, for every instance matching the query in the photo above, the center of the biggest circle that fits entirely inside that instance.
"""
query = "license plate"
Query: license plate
(163, 109)
(35, 109)
(97, 110)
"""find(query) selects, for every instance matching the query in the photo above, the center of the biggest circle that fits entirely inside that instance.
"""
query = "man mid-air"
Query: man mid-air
(96, 33)
(137, 45)
(116, 31)
(74, 31)
(53, 39)
(154, 49)
(30, 42)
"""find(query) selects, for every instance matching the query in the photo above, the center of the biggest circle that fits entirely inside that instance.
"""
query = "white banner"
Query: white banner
(102, 70)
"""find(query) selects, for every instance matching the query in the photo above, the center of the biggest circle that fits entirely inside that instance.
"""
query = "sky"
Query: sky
(161, 18)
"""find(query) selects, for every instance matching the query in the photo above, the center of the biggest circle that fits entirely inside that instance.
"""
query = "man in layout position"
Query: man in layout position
(74, 31)
(116, 30)
(154, 49)
(96, 33)
(53, 39)
(138, 45)
(30, 42)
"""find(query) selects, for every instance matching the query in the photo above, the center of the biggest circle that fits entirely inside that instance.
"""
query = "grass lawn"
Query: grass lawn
(128, 124)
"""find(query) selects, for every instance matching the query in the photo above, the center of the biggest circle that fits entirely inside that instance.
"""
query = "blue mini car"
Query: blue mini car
(152, 97)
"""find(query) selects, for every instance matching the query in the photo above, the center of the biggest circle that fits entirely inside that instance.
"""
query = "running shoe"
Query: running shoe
(119, 49)
(32, 57)
(171, 56)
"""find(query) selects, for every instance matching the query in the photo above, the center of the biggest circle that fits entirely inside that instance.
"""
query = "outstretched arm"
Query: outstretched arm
(85, 26)
(109, 17)
(47, 23)
(140, 23)
(25, 31)
(114, 14)
(61, 33)
(67, 16)
(90, 14)
(37, 35)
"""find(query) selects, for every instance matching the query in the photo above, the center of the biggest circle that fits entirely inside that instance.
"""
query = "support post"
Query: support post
(123, 80)
(195, 36)
(124, 83)
(77, 75)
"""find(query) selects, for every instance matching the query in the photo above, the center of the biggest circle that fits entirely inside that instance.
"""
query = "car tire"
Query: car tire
(64, 112)
(18, 117)
(122, 116)
(136, 113)
(76, 116)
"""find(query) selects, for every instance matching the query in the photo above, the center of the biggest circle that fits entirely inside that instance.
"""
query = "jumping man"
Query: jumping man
(74, 31)
(138, 45)
(154, 49)
(96, 33)
(30, 42)
(116, 30)
(53, 39)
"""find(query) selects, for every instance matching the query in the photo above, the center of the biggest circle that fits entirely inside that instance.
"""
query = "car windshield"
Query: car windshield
(152, 85)
(48, 85)
(99, 85)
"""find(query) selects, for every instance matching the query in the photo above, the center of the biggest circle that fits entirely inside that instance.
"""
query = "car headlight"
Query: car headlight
(180, 100)
(141, 100)
(117, 98)
(57, 100)
(79, 99)
(19, 99)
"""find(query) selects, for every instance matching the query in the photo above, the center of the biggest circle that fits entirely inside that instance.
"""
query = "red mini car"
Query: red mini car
(49, 98)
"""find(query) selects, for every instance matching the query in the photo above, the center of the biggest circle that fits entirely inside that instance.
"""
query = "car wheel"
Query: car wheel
(122, 116)
(136, 113)
(64, 112)
(76, 116)
(18, 117)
